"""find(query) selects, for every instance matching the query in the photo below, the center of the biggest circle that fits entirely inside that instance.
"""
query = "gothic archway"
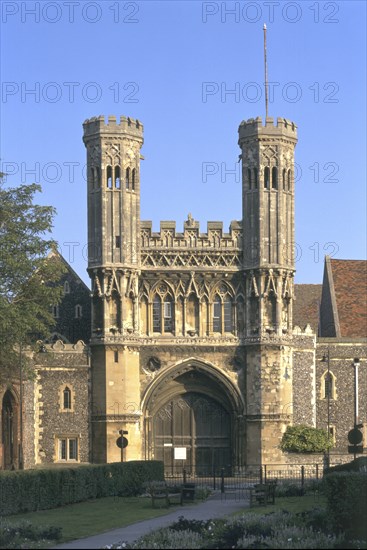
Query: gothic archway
(192, 414)
(9, 430)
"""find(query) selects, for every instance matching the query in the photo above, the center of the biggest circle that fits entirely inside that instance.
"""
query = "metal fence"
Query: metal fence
(223, 480)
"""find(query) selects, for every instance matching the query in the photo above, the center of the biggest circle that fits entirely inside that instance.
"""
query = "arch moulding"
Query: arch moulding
(192, 375)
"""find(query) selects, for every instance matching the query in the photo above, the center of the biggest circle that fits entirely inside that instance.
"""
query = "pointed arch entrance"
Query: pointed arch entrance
(192, 414)
(9, 431)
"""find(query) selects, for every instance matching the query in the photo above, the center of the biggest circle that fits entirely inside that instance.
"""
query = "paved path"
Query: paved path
(214, 507)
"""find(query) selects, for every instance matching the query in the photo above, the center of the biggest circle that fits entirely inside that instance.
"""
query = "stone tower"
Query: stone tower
(113, 163)
(191, 327)
(268, 264)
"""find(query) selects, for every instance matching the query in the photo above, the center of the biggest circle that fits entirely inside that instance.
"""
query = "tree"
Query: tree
(28, 275)
(303, 439)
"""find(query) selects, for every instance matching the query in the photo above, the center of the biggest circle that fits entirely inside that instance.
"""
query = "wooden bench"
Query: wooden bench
(263, 493)
(271, 485)
(259, 495)
(165, 493)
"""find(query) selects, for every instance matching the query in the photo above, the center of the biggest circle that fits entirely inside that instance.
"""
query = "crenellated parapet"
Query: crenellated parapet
(191, 237)
(254, 127)
(61, 355)
(97, 126)
(191, 249)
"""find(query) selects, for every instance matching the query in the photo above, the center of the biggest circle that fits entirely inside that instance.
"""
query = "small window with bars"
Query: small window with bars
(217, 316)
(68, 449)
(78, 311)
(228, 317)
(168, 317)
(157, 321)
(55, 312)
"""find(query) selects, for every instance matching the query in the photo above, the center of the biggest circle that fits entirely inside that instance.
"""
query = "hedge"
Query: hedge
(346, 494)
(30, 490)
(357, 465)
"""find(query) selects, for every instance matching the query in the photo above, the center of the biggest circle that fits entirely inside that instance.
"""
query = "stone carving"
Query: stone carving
(153, 364)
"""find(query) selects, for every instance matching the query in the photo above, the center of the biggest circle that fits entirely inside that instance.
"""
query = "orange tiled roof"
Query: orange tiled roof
(350, 286)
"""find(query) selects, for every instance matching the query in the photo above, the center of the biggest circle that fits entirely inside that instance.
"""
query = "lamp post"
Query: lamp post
(356, 413)
(20, 457)
(326, 359)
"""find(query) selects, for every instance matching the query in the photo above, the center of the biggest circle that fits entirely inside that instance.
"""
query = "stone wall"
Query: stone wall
(304, 399)
(71, 324)
(58, 367)
(342, 353)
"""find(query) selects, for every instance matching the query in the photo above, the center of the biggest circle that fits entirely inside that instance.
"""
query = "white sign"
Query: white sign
(180, 453)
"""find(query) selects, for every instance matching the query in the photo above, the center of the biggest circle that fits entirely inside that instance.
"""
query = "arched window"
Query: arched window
(78, 311)
(168, 314)
(127, 178)
(328, 386)
(249, 178)
(217, 315)
(66, 287)
(284, 178)
(163, 314)
(255, 179)
(228, 315)
(66, 398)
(289, 180)
(109, 177)
(117, 177)
(157, 314)
(133, 179)
(267, 177)
(274, 177)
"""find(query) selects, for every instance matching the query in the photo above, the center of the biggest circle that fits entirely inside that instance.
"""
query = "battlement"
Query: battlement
(98, 125)
(191, 236)
(254, 128)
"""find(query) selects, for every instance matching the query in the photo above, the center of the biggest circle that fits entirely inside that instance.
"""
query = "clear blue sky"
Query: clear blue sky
(150, 60)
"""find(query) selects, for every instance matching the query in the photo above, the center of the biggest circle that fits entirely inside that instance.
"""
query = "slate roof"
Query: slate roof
(306, 306)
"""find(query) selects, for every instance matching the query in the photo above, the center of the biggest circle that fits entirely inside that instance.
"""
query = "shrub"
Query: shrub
(19, 535)
(168, 538)
(303, 537)
(202, 493)
(317, 519)
(30, 490)
(346, 494)
(193, 525)
(287, 489)
(276, 530)
(303, 439)
(357, 465)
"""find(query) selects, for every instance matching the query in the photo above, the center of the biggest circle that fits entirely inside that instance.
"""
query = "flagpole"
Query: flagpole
(266, 75)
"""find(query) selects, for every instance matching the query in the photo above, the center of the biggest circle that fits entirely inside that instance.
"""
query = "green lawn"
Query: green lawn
(97, 516)
(94, 516)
